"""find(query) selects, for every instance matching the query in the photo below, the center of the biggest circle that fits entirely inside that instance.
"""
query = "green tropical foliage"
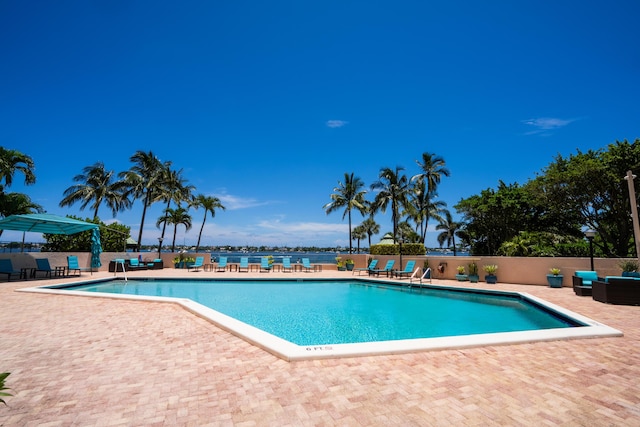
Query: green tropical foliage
(113, 238)
(12, 162)
(3, 377)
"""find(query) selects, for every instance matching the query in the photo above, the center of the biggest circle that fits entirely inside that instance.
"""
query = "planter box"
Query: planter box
(554, 281)
(462, 277)
(491, 278)
(474, 278)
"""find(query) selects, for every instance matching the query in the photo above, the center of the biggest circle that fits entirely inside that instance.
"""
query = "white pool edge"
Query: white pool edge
(292, 352)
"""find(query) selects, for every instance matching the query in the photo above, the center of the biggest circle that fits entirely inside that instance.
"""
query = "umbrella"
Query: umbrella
(96, 248)
(45, 223)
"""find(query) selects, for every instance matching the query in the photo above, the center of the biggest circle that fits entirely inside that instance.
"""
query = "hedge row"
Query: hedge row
(407, 249)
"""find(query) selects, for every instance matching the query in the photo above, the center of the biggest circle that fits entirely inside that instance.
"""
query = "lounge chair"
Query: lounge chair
(264, 264)
(388, 268)
(244, 264)
(408, 270)
(6, 267)
(196, 266)
(306, 264)
(72, 265)
(44, 266)
(286, 265)
(222, 264)
(582, 281)
(372, 266)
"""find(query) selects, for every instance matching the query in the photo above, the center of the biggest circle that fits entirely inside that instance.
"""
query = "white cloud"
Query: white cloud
(231, 202)
(336, 123)
(544, 125)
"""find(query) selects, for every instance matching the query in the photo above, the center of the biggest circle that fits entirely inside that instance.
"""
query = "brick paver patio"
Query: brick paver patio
(104, 362)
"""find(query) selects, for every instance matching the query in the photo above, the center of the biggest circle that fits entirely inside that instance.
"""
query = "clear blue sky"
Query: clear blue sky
(267, 104)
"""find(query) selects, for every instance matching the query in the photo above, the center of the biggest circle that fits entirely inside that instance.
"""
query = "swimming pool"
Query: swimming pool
(325, 318)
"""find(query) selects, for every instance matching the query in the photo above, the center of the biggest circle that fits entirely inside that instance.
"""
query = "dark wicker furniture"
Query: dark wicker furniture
(617, 290)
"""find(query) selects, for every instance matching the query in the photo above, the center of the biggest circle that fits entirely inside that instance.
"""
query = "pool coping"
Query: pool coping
(293, 352)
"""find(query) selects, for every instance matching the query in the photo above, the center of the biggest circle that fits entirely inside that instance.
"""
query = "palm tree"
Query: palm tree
(177, 216)
(96, 185)
(394, 188)
(358, 234)
(433, 169)
(17, 204)
(348, 195)
(172, 187)
(370, 227)
(450, 230)
(423, 207)
(12, 161)
(209, 204)
(143, 181)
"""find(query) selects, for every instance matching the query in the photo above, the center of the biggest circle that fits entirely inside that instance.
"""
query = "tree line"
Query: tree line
(412, 202)
(548, 215)
(149, 180)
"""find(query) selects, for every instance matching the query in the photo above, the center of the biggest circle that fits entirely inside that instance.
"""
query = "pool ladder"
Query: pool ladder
(120, 261)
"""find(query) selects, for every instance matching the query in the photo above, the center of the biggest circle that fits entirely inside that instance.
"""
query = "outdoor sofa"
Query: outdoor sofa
(617, 290)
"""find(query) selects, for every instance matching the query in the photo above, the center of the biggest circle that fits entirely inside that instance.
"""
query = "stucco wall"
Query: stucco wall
(524, 270)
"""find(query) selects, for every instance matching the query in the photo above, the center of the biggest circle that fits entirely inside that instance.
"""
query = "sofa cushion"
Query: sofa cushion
(587, 276)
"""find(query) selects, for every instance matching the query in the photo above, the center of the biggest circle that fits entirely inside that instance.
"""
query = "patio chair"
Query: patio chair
(196, 266)
(222, 264)
(388, 268)
(244, 264)
(372, 266)
(582, 281)
(6, 267)
(306, 264)
(264, 264)
(408, 270)
(286, 265)
(72, 265)
(44, 266)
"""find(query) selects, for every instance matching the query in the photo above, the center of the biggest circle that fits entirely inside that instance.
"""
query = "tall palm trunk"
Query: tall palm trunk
(144, 214)
(201, 228)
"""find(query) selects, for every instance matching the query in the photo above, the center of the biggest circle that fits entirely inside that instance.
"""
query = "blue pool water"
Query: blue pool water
(318, 312)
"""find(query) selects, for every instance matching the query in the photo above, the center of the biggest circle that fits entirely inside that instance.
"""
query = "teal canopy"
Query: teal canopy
(45, 223)
(54, 224)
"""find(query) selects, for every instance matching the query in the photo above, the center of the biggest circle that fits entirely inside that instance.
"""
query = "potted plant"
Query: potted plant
(461, 277)
(182, 261)
(473, 273)
(425, 267)
(555, 278)
(340, 264)
(490, 269)
(629, 268)
(349, 264)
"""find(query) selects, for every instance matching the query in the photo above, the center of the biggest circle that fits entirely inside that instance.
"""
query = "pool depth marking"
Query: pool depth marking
(290, 352)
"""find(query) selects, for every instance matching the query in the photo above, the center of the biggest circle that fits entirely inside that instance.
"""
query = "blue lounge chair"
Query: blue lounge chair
(244, 264)
(222, 264)
(408, 270)
(44, 266)
(264, 264)
(72, 265)
(306, 264)
(372, 266)
(286, 265)
(6, 267)
(196, 266)
(387, 269)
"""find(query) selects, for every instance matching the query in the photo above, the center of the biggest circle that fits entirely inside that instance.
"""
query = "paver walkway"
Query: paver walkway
(77, 361)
